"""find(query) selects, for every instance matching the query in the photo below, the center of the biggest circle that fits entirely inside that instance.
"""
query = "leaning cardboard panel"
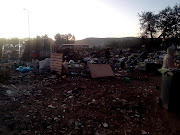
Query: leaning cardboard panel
(56, 62)
(100, 70)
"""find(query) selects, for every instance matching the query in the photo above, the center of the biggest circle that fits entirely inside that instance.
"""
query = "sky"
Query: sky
(82, 18)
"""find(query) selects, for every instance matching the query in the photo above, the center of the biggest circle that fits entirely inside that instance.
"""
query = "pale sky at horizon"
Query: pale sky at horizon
(82, 18)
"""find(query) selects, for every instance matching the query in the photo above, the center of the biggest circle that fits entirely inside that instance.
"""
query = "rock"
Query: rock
(77, 123)
(70, 97)
(69, 92)
(123, 101)
(37, 133)
(24, 132)
(48, 127)
(105, 125)
(51, 106)
(56, 119)
(64, 76)
(55, 99)
(12, 93)
(144, 132)
(77, 90)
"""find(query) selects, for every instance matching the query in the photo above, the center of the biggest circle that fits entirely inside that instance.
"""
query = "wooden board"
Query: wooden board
(100, 70)
(56, 62)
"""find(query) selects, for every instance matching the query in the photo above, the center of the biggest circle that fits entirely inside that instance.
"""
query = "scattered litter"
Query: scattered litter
(51, 106)
(24, 69)
(12, 93)
(144, 132)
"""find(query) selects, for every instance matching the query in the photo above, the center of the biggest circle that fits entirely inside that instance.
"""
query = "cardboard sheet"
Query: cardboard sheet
(100, 70)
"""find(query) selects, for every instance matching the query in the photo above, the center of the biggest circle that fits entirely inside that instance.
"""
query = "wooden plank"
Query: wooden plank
(56, 68)
(59, 72)
(56, 65)
(54, 57)
(58, 55)
(56, 62)
(57, 58)
(100, 70)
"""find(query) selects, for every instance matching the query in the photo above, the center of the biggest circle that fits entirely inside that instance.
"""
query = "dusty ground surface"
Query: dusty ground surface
(36, 104)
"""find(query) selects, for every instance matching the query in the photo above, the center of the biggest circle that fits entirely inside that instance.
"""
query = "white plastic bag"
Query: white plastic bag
(43, 64)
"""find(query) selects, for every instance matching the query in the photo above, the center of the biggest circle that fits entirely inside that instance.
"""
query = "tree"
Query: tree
(162, 25)
(64, 39)
(148, 24)
(169, 22)
(39, 44)
(46, 42)
(166, 23)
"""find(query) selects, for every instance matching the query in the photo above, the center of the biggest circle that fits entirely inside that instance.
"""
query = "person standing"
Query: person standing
(107, 55)
(168, 60)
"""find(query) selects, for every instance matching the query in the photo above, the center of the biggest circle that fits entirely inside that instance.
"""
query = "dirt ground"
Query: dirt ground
(45, 104)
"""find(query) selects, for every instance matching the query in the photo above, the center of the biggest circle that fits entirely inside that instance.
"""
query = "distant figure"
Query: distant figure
(107, 55)
(123, 64)
(168, 60)
(120, 52)
(33, 55)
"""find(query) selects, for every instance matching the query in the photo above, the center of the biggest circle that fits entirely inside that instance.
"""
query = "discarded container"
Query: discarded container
(127, 80)
(170, 90)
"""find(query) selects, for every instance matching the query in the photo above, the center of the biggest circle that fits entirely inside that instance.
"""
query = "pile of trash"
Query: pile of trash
(75, 61)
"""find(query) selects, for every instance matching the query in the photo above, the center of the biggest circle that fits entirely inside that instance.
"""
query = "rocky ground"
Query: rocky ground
(45, 104)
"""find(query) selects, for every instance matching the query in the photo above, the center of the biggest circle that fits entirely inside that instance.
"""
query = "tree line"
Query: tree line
(39, 43)
(164, 25)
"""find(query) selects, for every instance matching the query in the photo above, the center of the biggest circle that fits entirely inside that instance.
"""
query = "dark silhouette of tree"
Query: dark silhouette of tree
(166, 22)
(63, 39)
(163, 25)
(148, 24)
(46, 42)
(169, 22)
(40, 45)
